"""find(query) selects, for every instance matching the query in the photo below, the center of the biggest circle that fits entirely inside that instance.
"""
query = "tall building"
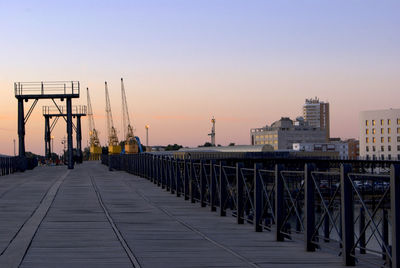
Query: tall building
(283, 133)
(380, 134)
(316, 114)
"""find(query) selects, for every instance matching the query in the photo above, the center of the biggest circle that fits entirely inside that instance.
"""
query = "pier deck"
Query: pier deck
(90, 217)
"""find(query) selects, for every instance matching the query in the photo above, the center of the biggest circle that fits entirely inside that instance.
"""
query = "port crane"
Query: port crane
(95, 148)
(131, 144)
(113, 144)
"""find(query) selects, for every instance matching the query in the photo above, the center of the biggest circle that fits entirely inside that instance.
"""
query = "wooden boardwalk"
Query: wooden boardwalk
(90, 217)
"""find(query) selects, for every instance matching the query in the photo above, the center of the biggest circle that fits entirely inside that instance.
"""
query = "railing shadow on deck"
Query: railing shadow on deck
(351, 212)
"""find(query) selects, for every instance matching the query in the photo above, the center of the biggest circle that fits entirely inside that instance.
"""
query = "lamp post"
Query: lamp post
(147, 135)
(52, 144)
(14, 148)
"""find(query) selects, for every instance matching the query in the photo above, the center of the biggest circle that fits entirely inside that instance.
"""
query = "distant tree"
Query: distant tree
(231, 144)
(174, 147)
(206, 144)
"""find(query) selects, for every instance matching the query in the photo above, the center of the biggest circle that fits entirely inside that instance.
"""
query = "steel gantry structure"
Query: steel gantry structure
(25, 91)
(60, 111)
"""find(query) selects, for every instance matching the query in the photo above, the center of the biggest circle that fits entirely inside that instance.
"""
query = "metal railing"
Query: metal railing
(46, 88)
(8, 165)
(355, 213)
(76, 109)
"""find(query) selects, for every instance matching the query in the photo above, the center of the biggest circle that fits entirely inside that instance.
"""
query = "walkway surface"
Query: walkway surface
(90, 217)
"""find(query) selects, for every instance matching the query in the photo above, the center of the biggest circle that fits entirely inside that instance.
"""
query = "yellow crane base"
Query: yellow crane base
(131, 148)
(114, 149)
(95, 150)
(94, 157)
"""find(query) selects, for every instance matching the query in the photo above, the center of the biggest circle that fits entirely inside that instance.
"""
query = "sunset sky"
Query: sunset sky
(247, 63)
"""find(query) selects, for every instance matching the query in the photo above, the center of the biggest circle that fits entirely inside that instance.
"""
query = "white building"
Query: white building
(380, 134)
(316, 114)
(284, 132)
(342, 148)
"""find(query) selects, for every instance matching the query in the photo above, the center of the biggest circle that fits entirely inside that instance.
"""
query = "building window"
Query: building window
(367, 131)
(389, 121)
(382, 149)
(373, 140)
(398, 130)
(382, 139)
(382, 157)
(366, 122)
(398, 121)
(373, 131)
(373, 122)
(398, 147)
(367, 148)
(398, 138)
(381, 122)
(373, 148)
(366, 140)
(389, 148)
(389, 130)
(389, 139)
(389, 157)
(381, 130)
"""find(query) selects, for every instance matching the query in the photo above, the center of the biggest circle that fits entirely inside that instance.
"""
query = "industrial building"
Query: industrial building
(380, 134)
(316, 114)
(283, 133)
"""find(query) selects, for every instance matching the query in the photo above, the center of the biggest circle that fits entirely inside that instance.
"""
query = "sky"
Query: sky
(248, 63)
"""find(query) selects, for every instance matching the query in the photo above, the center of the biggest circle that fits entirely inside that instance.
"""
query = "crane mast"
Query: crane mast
(95, 148)
(113, 145)
(131, 145)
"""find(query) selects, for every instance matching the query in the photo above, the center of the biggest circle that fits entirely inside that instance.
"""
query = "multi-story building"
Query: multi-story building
(283, 133)
(354, 148)
(380, 134)
(316, 114)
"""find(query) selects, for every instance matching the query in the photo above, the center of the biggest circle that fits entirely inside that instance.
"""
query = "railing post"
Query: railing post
(347, 205)
(166, 174)
(212, 186)
(171, 176)
(279, 202)
(159, 171)
(362, 231)
(385, 233)
(239, 194)
(309, 205)
(163, 179)
(223, 195)
(177, 178)
(191, 181)
(203, 184)
(395, 211)
(186, 180)
(258, 198)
